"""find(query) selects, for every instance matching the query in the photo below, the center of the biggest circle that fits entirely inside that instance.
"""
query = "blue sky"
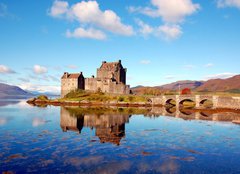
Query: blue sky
(159, 41)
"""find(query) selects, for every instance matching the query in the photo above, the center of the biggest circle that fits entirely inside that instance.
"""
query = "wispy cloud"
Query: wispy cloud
(167, 31)
(72, 66)
(6, 70)
(4, 12)
(209, 65)
(145, 62)
(37, 69)
(41, 88)
(24, 79)
(228, 3)
(169, 77)
(44, 77)
(220, 76)
(189, 66)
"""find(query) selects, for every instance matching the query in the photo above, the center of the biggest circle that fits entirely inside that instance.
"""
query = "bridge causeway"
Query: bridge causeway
(199, 100)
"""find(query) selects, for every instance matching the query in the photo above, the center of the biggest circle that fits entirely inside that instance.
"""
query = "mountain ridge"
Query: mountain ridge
(231, 84)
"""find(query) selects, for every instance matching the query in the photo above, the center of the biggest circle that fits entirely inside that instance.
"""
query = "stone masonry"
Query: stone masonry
(111, 78)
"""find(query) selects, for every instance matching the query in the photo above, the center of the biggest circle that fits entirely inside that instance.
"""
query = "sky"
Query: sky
(158, 41)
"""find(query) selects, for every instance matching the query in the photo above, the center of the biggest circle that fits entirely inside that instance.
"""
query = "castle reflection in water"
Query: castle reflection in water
(109, 123)
(108, 127)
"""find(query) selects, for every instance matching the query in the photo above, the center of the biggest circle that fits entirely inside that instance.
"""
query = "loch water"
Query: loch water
(53, 139)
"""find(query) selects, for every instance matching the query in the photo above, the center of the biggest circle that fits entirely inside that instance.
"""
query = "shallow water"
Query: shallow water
(69, 140)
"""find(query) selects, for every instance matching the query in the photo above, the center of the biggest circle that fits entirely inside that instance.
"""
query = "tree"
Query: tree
(186, 91)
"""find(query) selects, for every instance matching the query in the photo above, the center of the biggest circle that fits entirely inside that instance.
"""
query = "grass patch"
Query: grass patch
(81, 95)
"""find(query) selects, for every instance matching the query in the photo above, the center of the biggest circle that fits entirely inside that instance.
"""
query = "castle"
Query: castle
(111, 78)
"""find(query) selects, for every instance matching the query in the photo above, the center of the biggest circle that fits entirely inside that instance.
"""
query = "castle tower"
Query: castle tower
(112, 70)
(71, 82)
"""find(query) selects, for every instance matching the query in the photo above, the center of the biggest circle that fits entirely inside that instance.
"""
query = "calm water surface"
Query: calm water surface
(69, 140)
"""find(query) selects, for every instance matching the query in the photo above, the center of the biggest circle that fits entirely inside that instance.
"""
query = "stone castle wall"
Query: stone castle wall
(106, 85)
(68, 85)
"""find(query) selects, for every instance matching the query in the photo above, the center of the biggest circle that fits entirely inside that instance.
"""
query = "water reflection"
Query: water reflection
(108, 127)
(109, 123)
(8, 102)
(32, 140)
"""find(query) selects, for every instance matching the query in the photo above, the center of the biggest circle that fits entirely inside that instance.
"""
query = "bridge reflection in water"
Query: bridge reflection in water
(109, 123)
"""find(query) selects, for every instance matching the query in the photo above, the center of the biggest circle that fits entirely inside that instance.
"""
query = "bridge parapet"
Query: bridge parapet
(217, 101)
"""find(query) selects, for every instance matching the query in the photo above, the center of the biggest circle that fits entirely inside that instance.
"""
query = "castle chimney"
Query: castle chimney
(66, 74)
(104, 62)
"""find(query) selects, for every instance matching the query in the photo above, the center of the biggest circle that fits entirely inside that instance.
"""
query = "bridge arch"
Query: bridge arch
(170, 110)
(188, 103)
(206, 103)
(170, 102)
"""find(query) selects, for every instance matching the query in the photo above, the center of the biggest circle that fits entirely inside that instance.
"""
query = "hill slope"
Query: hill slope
(182, 84)
(229, 84)
(12, 92)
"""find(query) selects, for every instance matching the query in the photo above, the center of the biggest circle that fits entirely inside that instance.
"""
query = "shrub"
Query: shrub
(130, 98)
(186, 91)
(42, 97)
(120, 99)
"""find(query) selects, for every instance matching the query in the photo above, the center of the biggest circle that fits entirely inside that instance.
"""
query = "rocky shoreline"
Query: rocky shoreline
(41, 102)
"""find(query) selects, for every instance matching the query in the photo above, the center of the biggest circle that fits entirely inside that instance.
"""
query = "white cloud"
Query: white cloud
(37, 69)
(169, 32)
(86, 33)
(220, 76)
(145, 62)
(6, 70)
(228, 3)
(145, 29)
(72, 67)
(209, 65)
(166, 31)
(175, 11)
(59, 8)
(41, 88)
(171, 11)
(89, 14)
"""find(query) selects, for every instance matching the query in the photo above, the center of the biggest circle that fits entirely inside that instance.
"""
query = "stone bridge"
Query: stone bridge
(199, 100)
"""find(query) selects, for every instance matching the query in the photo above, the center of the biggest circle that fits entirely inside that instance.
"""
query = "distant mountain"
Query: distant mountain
(231, 84)
(214, 85)
(49, 94)
(182, 84)
(13, 92)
